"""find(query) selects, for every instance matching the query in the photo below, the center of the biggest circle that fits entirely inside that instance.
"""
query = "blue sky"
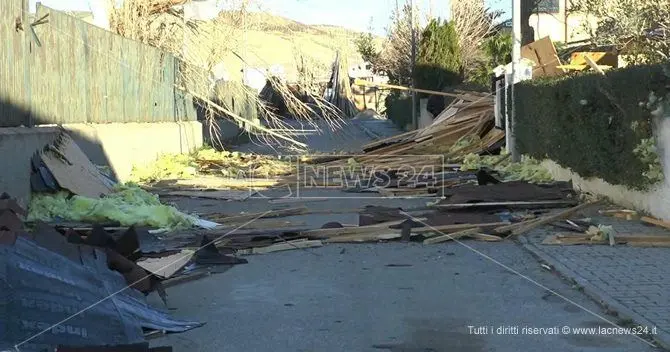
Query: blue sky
(353, 14)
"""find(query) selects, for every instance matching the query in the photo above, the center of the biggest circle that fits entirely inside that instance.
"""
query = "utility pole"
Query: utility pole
(516, 57)
(415, 124)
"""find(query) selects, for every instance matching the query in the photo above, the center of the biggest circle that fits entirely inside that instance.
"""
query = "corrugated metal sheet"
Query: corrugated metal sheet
(78, 73)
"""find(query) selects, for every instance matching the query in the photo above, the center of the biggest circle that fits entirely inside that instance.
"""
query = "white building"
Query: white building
(554, 19)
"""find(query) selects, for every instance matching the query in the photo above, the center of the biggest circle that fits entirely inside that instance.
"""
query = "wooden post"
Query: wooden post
(25, 19)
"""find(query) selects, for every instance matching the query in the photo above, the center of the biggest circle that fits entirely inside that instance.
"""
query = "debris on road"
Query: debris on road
(632, 240)
(63, 291)
(621, 214)
(208, 161)
(62, 165)
(126, 205)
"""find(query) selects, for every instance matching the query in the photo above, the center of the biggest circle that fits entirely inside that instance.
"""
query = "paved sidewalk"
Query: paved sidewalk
(634, 282)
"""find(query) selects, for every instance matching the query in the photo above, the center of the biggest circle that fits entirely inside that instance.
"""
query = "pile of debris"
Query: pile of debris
(466, 126)
(418, 162)
(208, 161)
(67, 186)
(484, 212)
(68, 288)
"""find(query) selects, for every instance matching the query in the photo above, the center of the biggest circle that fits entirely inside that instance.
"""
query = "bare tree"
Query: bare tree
(158, 23)
(473, 23)
(396, 57)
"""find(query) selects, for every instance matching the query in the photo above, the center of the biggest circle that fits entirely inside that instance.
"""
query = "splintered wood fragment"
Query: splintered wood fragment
(528, 226)
(657, 222)
(451, 236)
(484, 237)
(611, 238)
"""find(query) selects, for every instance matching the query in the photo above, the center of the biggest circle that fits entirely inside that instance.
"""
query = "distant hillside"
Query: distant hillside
(275, 40)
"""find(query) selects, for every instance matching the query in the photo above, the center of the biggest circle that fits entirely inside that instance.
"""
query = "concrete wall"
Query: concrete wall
(124, 145)
(17, 146)
(655, 202)
(120, 146)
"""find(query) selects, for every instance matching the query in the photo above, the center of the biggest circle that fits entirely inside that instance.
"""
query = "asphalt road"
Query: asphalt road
(389, 297)
(383, 297)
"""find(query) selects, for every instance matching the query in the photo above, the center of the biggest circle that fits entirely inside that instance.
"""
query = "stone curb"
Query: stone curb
(662, 338)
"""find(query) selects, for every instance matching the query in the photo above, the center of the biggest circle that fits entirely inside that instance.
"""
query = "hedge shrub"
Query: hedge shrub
(591, 123)
(439, 61)
(399, 108)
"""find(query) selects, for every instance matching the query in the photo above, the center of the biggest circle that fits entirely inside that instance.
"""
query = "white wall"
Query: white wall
(554, 25)
(656, 201)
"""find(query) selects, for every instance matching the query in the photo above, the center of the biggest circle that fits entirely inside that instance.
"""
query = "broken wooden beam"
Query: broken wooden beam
(631, 240)
(654, 221)
(485, 237)
(452, 236)
(283, 246)
(455, 227)
(262, 215)
(520, 228)
(340, 231)
(520, 205)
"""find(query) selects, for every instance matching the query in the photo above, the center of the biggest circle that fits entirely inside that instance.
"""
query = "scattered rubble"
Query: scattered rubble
(127, 205)
(65, 289)
(208, 161)
(95, 240)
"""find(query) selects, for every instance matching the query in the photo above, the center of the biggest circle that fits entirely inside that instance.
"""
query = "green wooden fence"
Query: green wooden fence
(64, 70)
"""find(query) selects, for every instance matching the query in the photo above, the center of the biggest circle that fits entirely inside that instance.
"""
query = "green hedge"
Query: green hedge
(590, 123)
(399, 108)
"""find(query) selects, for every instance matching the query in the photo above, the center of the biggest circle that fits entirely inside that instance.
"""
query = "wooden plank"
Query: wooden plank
(377, 228)
(520, 228)
(273, 224)
(484, 237)
(364, 237)
(620, 213)
(285, 246)
(631, 240)
(453, 228)
(262, 215)
(657, 222)
(296, 200)
(238, 195)
(392, 140)
(452, 236)
(361, 82)
(528, 205)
